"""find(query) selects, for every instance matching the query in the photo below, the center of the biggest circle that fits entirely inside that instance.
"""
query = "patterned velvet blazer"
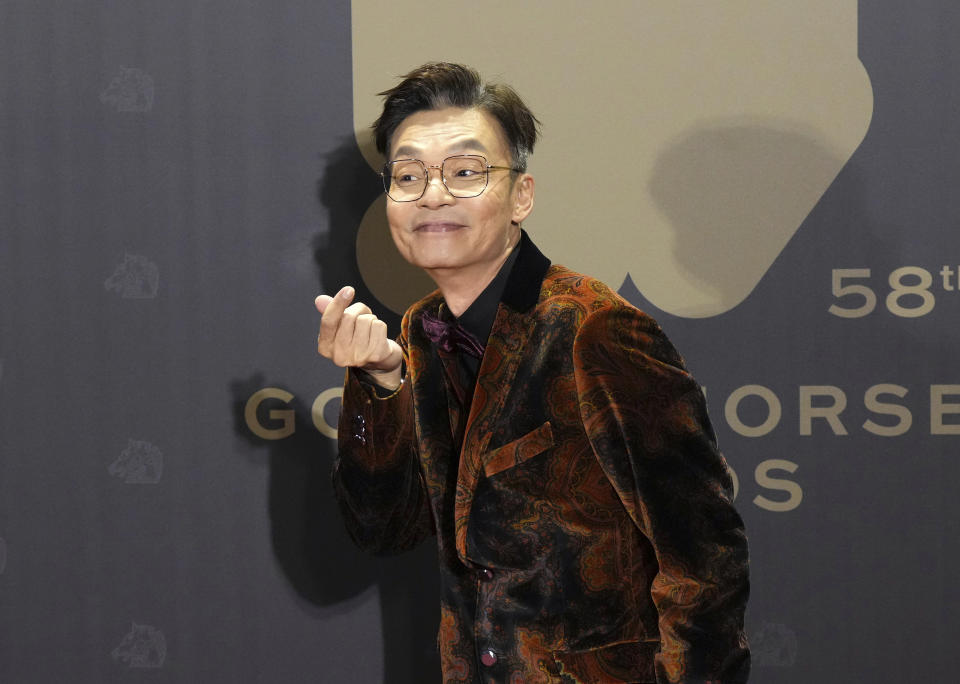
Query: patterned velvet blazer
(585, 528)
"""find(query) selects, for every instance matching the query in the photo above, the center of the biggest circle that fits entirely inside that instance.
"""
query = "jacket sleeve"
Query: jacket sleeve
(376, 475)
(647, 423)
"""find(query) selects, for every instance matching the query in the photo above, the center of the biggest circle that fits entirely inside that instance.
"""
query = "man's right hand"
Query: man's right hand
(351, 335)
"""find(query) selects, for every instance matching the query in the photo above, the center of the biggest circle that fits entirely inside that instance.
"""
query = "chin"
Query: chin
(437, 264)
(431, 258)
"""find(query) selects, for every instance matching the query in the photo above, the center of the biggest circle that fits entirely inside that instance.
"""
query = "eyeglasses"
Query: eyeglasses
(463, 175)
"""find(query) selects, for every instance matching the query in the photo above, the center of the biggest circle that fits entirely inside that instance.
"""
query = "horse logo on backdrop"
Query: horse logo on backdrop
(142, 647)
(130, 91)
(136, 278)
(775, 645)
(140, 463)
(688, 140)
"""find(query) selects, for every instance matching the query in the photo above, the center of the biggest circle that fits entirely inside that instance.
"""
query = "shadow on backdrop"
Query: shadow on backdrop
(309, 538)
(728, 190)
(322, 564)
(409, 583)
(346, 189)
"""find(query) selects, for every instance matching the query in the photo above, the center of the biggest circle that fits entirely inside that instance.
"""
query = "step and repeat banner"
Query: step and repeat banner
(776, 183)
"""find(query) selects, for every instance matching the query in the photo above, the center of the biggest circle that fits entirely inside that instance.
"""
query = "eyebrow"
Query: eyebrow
(405, 151)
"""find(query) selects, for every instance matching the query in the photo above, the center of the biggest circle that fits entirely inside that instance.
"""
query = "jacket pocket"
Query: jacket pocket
(519, 450)
(626, 661)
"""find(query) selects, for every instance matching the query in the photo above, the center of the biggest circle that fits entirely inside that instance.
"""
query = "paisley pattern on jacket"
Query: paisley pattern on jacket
(585, 529)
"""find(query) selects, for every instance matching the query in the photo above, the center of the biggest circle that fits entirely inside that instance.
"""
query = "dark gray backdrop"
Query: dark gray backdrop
(180, 179)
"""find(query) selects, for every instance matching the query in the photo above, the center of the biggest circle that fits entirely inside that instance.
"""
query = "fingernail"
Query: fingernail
(346, 293)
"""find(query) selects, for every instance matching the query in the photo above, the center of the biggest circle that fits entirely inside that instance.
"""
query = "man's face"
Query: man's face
(446, 235)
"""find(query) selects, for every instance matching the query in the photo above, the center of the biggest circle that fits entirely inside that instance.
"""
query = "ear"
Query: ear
(523, 191)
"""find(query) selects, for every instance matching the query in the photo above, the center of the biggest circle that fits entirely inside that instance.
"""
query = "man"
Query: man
(539, 425)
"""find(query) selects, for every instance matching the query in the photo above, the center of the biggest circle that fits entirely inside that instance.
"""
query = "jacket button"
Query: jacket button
(360, 429)
(488, 658)
(486, 574)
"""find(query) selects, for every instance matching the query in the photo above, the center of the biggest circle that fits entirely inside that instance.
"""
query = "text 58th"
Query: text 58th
(909, 291)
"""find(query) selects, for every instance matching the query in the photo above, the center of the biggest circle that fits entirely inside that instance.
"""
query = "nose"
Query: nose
(436, 193)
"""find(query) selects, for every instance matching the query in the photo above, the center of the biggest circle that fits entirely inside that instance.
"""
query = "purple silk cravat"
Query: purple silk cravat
(450, 336)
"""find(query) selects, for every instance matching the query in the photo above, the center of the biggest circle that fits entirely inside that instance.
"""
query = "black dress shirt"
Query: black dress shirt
(477, 320)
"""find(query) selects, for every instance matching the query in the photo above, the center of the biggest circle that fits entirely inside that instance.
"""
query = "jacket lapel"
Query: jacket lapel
(505, 347)
(433, 417)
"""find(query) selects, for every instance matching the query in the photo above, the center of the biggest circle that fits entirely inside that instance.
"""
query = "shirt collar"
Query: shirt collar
(479, 316)
(517, 284)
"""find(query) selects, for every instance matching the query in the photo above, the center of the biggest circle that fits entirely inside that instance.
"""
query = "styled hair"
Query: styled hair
(437, 85)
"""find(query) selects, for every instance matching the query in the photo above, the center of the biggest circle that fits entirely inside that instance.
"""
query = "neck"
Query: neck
(460, 287)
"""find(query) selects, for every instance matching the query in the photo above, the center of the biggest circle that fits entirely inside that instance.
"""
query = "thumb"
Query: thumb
(396, 353)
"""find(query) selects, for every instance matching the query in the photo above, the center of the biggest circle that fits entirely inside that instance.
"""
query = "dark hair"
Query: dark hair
(437, 85)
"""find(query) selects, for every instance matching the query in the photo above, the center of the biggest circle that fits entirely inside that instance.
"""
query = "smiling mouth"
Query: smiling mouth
(438, 227)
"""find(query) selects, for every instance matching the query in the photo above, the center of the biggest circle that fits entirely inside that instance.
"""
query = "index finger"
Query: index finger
(322, 301)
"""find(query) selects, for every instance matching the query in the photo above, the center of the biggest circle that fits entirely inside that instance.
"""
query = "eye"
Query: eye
(407, 174)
